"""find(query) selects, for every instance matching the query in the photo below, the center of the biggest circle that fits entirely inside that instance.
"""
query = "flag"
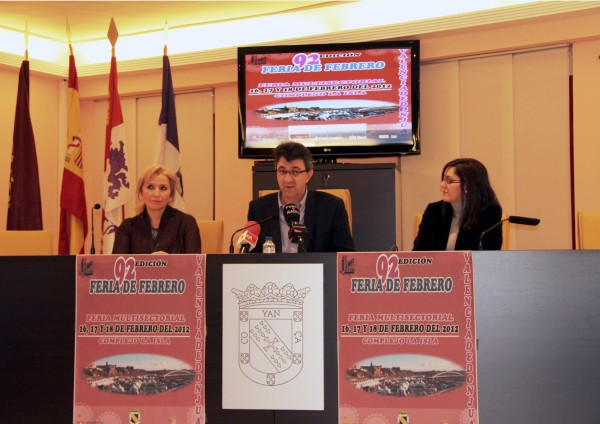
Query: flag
(117, 189)
(24, 200)
(73, 209)
(167, 149)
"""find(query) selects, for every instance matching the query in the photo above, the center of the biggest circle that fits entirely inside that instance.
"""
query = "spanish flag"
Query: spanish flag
(73, 209)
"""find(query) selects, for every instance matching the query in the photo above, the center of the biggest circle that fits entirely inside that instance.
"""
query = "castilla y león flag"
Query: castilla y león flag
(117, 188)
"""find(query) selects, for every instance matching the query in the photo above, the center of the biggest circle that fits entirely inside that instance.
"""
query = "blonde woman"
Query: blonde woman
(158, 228)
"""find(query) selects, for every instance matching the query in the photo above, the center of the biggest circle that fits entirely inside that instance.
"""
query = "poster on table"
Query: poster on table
(273, 336)
(406, 334)
(139, 341)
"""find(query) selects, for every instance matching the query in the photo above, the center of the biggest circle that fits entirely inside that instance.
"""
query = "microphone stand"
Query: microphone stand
(296, 235)
(92, 247)
(487, 231)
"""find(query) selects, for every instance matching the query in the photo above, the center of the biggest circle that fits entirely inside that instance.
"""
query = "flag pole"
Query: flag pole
(69, 38)
(26, 41)
(113, 35)
(166, 36)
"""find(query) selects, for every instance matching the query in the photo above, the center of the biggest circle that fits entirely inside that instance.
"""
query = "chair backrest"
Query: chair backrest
(588, 230)
(505, 229)
(211, 234)
(416, 222)
(25, 243)
(342, 193)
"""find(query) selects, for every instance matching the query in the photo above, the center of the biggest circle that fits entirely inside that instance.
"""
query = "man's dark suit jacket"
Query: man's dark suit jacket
(325, 218)
(435, 229)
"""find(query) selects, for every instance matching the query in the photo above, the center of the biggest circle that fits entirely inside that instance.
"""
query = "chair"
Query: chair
(25, 243)
(588, 230)
(342, 193)
(211, 234)
(505, 229)
(416, 222)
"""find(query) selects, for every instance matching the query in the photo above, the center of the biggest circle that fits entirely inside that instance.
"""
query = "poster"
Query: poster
(406, 334)
(273, 336)
(139, 342)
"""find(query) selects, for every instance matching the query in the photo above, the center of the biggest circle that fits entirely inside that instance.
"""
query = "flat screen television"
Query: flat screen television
(339, 100)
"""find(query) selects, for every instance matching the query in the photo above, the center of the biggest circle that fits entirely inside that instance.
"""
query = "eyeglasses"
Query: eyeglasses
(448, 181)
(294, 172)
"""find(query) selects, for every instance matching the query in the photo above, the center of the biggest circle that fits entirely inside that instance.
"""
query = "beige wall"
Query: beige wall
(510, 111)
(232, 179)
(586, 125)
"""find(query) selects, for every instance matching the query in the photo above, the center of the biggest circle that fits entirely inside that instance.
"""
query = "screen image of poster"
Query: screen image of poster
(139, 341)
(354, 97)
(406, 338)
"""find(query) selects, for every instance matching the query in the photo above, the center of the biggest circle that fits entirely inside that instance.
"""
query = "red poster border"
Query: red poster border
(418, 312)
(160, 318)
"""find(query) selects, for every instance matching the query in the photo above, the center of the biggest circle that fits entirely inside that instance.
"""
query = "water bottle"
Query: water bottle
(268, 245)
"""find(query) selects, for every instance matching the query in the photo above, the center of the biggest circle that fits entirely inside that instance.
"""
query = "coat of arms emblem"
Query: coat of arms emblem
(270, 337)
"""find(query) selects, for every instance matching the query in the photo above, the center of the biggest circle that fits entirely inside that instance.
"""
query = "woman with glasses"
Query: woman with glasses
(159, 228)
(468, 207)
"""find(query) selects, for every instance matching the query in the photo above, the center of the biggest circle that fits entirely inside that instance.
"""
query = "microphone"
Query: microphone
(513, 219)
(250, 224)
(297, 231)
(93, 248)
(248, 239)
(291, 214)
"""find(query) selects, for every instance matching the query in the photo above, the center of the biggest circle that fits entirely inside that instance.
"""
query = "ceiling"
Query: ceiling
(89, 20)
(209, 31)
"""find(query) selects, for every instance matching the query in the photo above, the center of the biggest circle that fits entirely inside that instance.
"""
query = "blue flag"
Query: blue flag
(167, 149)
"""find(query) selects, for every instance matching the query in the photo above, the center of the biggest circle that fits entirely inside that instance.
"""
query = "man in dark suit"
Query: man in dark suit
(324, 215)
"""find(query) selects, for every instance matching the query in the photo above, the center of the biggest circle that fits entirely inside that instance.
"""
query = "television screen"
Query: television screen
(339, 100)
